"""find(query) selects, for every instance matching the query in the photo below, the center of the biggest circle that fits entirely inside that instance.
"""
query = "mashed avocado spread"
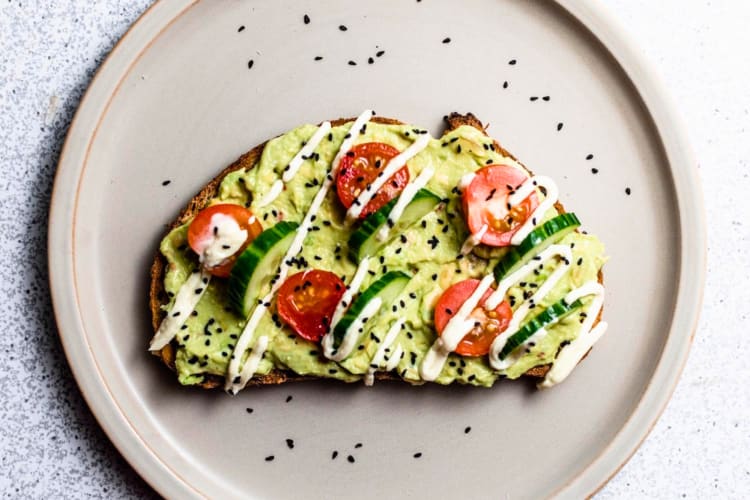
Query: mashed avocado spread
(205, 346)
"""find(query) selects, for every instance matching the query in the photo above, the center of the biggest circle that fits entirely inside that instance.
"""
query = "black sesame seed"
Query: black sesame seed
(320, 58)
(306, 19)
(370, 60)
(594, 171)
(458, 149)
(334, 455)
(269, 458)
(589, 157)
(380, 53)
(417, 455)
(240, 29)
(288, 398)
(467, 430)
(249, 410)
(512, 62)
(343, 28)
(505, 84)
(447, 40)
(250, 64)
(546, 98)
(358, 445)
(166, 183)
(533, 98)
(627, 191)
(350, 459)
(352, 63)
(290, 443)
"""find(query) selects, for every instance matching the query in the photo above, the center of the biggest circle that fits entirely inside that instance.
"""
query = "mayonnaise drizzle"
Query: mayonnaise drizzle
(473, 240)
(408, 194)
(522, 193)
(352, 333)
(377, 359)
(253, 360)
(285, 266)
(276, 188)
(187, 298)
(455, 330)
(562, 251)
(466, 180)
(306, 151)
(233, 382)
(351, 136)
(225, 239)
(344, 303)
(570, 355)
(393, 166)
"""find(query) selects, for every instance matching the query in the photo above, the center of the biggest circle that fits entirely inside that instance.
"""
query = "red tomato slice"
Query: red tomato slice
(200, 232)
(360, 167)
(485, 201)
(488, 324)
(307, 301)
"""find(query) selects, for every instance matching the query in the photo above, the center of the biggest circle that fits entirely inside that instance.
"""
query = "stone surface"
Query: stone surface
(52, 447)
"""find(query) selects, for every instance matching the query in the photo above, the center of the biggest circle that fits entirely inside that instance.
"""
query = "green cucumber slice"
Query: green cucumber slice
(257, 265)
(387, 288)
(364, 241)
(549, 316)
(536, 242)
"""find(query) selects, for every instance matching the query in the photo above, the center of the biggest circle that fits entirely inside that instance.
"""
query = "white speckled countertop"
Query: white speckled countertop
(52, 447)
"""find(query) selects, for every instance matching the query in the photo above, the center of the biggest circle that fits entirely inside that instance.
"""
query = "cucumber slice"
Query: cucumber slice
(364, 241)
(537, 241)
(549, 316)
(387, 288)
(257, 265)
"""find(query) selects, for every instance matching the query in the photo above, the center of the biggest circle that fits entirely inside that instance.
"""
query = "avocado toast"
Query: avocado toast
(383, 277)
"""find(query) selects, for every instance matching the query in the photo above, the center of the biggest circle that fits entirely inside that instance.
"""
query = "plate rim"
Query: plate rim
(594, 17)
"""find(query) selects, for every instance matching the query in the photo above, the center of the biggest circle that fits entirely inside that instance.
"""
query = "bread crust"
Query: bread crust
(158, 296)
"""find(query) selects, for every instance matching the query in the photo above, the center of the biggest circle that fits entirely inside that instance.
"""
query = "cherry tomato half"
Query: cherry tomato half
(488, 324)
(485, 201)
(307, 301)
(201, 232)
(360, 167)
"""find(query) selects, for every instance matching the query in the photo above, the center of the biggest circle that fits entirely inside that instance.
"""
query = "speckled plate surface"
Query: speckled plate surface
(178, 99)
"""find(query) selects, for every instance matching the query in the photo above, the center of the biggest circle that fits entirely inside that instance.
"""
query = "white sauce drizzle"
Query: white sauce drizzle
(351, 136)
(393, 166)
(466, 180)
(352, 333)
(377, 359)
(455, 330)
(233, 381)
(306, 151)
(570, 355)
(408, 194)
(522, 193)
(253, 360)
(473, 240)
(225, 239)
(187, 298)
(562, 251)
(276, 188)
(344, 303)
(285, 266)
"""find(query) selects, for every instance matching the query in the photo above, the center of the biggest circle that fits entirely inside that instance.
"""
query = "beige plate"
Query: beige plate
(176, 100)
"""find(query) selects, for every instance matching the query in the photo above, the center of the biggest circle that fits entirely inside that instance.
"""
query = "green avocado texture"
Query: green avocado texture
(427, 251)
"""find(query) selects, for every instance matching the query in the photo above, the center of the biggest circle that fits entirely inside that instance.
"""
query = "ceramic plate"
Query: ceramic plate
(178, 99)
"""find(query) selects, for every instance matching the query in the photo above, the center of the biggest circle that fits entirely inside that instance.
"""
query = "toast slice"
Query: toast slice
(158, 298)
